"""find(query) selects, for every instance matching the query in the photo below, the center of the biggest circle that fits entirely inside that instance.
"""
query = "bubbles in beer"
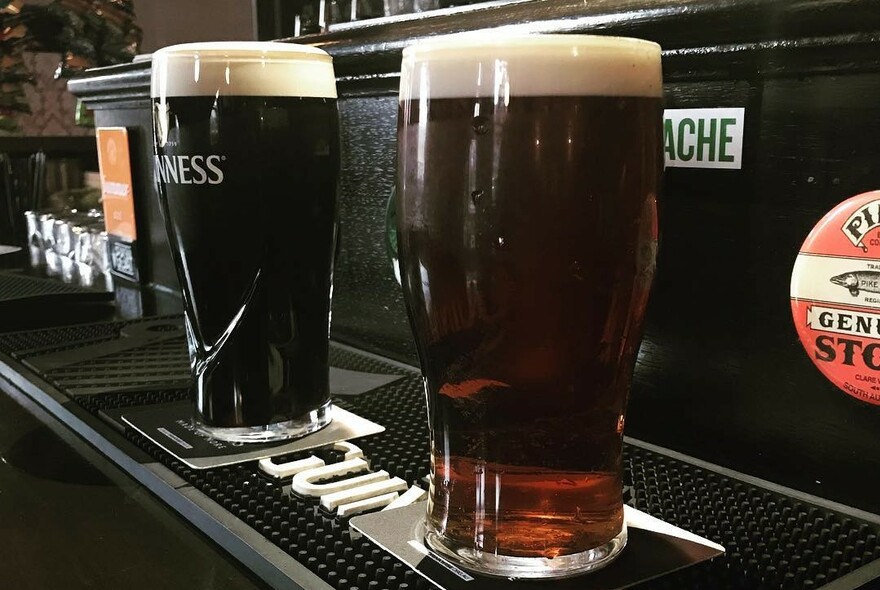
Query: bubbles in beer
(480, 124)
(540, 301)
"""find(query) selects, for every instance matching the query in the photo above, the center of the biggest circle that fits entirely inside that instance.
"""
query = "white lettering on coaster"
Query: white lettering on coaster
(303, 482)
(291, 467)
(367, 504)
(350, 450)
(412, 495)
(704, 138)
(307, 488)
(282, 470)
(332, 500)
(353, 494)
(175, 438)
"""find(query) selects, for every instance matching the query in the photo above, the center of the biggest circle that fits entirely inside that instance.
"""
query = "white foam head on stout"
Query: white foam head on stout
(242, 69)
(500, 66)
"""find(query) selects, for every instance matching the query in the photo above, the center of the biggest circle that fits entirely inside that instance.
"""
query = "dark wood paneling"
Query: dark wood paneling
(722, 374)
(699, 25)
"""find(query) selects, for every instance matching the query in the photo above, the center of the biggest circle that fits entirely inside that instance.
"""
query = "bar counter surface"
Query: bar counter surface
(70, 519)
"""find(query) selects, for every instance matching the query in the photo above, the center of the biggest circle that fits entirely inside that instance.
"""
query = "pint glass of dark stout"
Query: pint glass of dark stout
(527, 228)
(247, 165)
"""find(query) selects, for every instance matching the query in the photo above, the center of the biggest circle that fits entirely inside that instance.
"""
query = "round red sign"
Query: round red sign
(835, 296)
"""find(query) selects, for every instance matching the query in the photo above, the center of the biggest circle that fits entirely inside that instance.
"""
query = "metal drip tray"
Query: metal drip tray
(775, 538)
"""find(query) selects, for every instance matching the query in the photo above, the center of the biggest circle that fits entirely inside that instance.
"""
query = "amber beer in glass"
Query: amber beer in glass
(247, 168)
(527, 229)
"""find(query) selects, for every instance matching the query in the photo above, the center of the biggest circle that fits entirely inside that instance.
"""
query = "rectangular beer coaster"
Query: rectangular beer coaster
(170, 427)
(345, 382)
(655, 548)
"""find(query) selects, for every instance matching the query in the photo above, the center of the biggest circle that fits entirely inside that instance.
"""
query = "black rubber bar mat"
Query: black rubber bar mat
(774, 539)
(18, 287)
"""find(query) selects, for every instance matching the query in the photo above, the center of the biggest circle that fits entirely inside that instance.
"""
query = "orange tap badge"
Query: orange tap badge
(116, 189)
(835, 296)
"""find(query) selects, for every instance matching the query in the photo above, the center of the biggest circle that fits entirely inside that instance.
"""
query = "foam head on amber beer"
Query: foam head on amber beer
(465, 65)
(242, 69)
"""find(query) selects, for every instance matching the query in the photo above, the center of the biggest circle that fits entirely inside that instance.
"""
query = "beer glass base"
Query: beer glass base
(289, 429)
(511, 567)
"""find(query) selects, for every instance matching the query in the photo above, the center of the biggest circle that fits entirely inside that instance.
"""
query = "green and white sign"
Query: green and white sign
(704, 138)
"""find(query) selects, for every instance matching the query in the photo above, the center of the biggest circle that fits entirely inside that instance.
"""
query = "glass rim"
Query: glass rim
(243, 51)
(556, 44)
(242, 68)
(506, 65)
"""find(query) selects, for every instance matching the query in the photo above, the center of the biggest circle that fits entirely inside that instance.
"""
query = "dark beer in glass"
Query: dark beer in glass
(527, 175)
(247, 165)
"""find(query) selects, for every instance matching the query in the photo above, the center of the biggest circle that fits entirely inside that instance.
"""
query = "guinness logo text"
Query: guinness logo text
(190, 169)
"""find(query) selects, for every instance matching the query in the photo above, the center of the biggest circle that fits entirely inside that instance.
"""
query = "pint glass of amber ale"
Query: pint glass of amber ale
(527, 229)
(247, 167)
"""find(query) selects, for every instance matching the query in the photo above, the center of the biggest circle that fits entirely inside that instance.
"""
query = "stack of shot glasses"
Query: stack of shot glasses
(70, 244)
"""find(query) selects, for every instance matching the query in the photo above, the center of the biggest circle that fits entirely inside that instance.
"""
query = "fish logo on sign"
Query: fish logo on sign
(858, 280)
